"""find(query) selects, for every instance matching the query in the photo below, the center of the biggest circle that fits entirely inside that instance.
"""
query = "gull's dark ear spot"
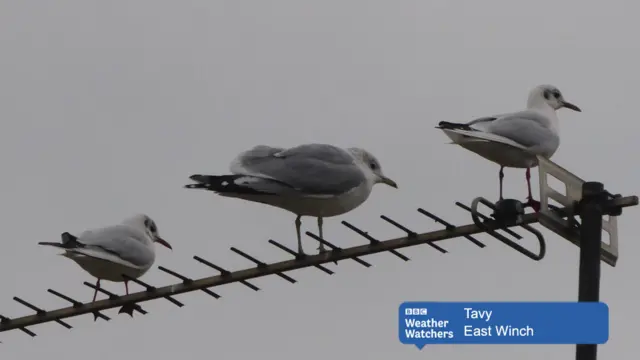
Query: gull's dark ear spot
(547, 94)
(152, 226)
(149, 224)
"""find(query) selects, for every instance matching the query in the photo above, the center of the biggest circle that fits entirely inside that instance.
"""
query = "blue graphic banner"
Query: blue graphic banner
(426, 323)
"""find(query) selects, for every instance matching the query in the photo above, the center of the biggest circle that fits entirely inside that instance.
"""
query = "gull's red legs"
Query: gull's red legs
(95, 293)
(535, 205)
(127, 309)
(501, 176)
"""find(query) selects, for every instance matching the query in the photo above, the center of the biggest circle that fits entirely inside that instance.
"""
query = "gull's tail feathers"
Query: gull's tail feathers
(227, 184)
(68, 242)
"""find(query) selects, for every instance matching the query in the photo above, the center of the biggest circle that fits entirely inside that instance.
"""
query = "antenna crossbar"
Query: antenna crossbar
(130, 302)
(246, 274)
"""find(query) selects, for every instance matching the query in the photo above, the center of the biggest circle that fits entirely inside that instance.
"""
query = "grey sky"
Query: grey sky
(108, 107)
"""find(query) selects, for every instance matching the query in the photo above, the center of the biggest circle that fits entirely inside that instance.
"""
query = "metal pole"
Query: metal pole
(591, 212)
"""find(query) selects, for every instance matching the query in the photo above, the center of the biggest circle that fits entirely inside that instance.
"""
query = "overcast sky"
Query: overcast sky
(108, 107)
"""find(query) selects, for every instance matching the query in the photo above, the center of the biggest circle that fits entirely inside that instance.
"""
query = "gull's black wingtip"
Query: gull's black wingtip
(68, 241)
(204, 179)
(445, 125)
(195, 186)
(50, 244)
(201, 181)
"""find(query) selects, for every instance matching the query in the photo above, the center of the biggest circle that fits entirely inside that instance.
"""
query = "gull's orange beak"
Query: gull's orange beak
(163, 242)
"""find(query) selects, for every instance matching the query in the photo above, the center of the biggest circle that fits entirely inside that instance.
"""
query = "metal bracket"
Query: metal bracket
(489, 225)
(564, 224)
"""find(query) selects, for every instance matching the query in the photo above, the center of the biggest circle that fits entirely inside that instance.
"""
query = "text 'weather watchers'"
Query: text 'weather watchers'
(424, 323)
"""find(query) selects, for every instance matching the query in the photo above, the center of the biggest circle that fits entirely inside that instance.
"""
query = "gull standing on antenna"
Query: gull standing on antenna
(108, 253)
(316, 180)
(514, 139)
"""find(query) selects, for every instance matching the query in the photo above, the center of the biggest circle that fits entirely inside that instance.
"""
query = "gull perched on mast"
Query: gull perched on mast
(316, 180)
(110, 252)
(514, 139)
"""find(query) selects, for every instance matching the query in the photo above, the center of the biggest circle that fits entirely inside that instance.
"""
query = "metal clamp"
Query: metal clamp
(490, 225)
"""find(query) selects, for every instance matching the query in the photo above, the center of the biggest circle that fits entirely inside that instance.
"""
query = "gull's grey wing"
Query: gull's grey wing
(485, 122)
(482, 120)
(244, 162)
(118, 242)
(479, 124)
(529, 129)
(311, 168)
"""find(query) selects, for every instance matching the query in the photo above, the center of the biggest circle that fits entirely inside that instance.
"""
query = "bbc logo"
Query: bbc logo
(415, 311)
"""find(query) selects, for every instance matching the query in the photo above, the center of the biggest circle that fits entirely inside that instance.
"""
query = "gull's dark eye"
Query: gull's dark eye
(373, 166)
(556, 94)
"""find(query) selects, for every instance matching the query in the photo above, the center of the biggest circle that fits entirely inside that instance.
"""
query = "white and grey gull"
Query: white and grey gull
(514, 139)
(317, 180)
(110, 252)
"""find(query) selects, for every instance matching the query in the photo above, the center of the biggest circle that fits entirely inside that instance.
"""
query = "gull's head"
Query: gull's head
(371, 167)
(551, 96)
(150, 227)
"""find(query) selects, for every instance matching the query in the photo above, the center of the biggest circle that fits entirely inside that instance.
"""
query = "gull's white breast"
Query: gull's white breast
(315, 205)
(500, 151)
(104, 269)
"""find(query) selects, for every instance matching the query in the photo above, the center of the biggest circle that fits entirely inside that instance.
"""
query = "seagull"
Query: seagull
(317, 180)
(514, 139)
(110, 252)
